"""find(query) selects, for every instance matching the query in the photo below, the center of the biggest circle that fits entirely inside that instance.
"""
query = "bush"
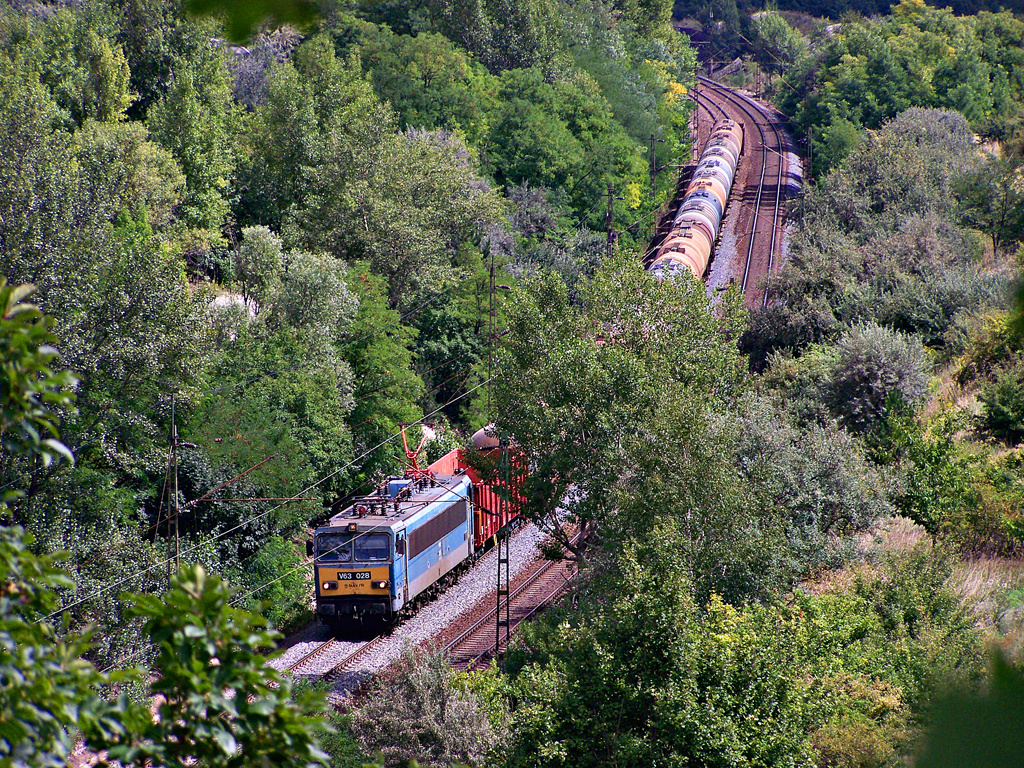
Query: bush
(986, 729)
(1003, 398)
(641, 676)
(818, 480)
(853, 743)
(416, 711)
(872, 364)
(900, 625)
(933, 481)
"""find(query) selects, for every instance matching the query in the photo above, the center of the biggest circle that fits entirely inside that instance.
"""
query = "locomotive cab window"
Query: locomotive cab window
(336, 547)
(372, 547)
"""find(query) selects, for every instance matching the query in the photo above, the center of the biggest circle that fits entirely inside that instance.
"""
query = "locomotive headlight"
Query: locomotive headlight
(380, 585)
(327, 585)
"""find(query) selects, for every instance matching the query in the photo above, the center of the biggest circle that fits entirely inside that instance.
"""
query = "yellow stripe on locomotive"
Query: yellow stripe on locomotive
(334, 580)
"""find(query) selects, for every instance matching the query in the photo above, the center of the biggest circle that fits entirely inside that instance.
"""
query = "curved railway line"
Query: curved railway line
(476, 645)
(764, 186)
(757, 217)
(473, 646)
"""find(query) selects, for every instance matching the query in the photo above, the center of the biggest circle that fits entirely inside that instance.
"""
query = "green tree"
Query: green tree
(778, 46)
(32, 394)
(195, 120)
(1003, 399)
(379, 351)
(258, 265)
(221, 704)
(934, 482)
(407, 209)
(577, 384)
(639, 675)
(430, 81)
(825, 490)
(991, 198)
(503, 35)
(122, 170)
(881, 242)
(83, 68)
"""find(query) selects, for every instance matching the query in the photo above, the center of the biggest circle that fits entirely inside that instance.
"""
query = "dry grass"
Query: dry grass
(895, 534)
(991, 587)
(839, 580)
(984, 582)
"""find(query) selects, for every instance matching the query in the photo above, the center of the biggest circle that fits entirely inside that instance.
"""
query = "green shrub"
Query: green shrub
(1003, 398)
(932, 478)
(873, 363)
(419, 711)
(985, 729)
(900, 625)
(853, 743)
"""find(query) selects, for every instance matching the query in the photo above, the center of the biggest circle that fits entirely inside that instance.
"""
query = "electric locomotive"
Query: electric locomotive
(375, 558)
(386, 549)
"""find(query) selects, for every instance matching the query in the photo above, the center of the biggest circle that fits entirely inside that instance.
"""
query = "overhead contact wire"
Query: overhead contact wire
(262, 515)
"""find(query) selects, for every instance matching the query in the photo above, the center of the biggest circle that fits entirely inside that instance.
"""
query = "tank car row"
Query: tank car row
(374, 559)
(696, 225)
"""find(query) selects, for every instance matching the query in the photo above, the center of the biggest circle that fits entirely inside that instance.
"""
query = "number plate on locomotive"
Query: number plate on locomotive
(353, 575)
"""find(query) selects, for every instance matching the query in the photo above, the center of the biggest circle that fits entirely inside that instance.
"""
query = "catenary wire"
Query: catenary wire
(262, 515)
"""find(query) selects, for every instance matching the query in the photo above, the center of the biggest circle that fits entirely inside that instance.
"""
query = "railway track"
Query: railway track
(476, 645)
(332, 657)
(763, 239)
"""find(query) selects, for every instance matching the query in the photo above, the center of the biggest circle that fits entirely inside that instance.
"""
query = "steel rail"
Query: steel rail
(782, 145)
(533, 578)
(490, 613)
(760, 183)
(318, 651)
(472, 664)
(756, 115)
(347, 660)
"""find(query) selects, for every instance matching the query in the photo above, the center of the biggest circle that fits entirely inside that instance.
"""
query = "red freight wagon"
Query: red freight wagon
(490, 512)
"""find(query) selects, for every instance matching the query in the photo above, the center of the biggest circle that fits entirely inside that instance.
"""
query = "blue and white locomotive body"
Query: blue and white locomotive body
(377, 556)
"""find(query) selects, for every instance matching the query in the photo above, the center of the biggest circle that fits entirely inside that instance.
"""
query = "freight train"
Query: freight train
(689, 243)
(412, 534)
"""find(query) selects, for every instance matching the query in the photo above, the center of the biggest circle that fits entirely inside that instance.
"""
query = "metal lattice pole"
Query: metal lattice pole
(504, 582)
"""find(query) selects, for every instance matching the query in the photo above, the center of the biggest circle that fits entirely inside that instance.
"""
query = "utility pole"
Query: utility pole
(491, 319)
(810, 151)
(654, 167)
(504, 536)
(695, 123)
(174, 457)
(609, 218)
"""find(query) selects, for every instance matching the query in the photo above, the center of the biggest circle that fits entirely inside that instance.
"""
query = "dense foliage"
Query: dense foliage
(865, 71)
(252, 263)
(282, 251)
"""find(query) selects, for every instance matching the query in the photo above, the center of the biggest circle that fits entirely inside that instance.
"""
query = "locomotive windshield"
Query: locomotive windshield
(372, 547)
(336, 547)
(366, 547)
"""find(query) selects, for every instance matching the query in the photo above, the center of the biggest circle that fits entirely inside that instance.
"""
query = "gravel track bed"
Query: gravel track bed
(299, 644)
(322, 664)
(433, 617)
